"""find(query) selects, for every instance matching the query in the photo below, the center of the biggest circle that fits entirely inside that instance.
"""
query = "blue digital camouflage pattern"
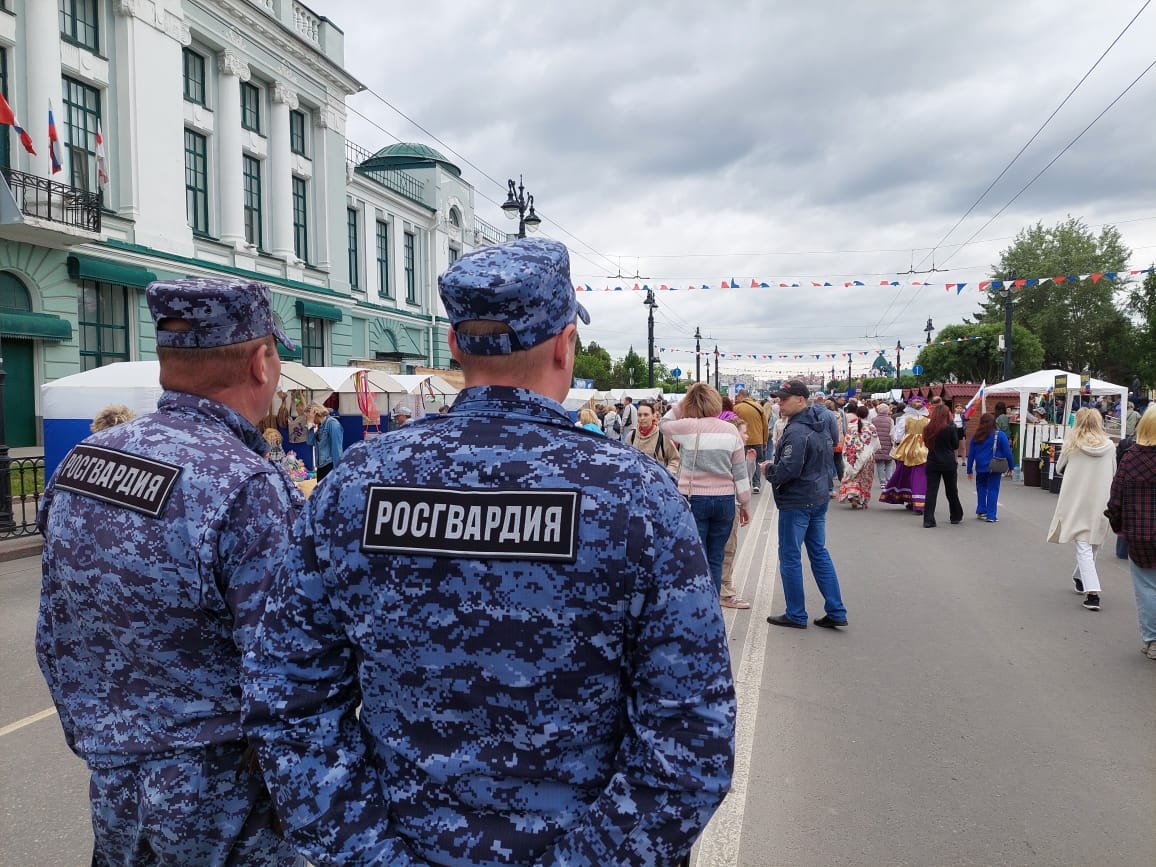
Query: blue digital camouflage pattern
(511, 711)
(156, 812)
(219, 312)
(143, 620)
(524, 283)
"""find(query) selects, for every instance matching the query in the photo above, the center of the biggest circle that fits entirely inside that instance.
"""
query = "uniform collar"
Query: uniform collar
(505, 400)
(182, 403)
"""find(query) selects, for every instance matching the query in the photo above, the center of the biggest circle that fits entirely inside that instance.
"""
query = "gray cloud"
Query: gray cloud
(666, 128)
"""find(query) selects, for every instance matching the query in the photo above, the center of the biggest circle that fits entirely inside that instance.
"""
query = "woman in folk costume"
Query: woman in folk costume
(1088, 462)
(908, 484)
(859, 447)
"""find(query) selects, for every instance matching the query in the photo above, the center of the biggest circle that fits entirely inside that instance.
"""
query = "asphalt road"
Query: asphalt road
(972, 713)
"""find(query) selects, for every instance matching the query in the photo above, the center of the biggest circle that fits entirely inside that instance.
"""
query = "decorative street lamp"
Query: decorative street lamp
(519, 205)
(652, 304)
(928, 328)
(898, 349)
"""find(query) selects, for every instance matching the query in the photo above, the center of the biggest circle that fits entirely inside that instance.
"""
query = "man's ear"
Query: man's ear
(565, 346)
(455, 352)
(260, 366)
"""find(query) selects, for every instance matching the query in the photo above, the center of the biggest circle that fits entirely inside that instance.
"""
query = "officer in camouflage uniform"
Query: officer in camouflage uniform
(161, 537)
(521, 608)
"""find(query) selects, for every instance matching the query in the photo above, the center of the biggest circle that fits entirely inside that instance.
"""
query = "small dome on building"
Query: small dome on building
(408, 155)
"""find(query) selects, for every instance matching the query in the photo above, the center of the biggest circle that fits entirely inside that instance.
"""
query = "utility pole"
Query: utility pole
(698, 357)
(652, 304)
(707, 370)
(898, 349)
(716, 367)
(1007, 326)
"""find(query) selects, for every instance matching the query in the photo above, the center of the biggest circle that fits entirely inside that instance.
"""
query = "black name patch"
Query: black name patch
(508, 525)
(137, 483)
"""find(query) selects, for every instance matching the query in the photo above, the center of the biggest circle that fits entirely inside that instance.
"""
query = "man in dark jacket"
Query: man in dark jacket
(798, 478)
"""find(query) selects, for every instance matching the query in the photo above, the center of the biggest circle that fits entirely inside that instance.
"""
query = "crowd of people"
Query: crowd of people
(491, 635)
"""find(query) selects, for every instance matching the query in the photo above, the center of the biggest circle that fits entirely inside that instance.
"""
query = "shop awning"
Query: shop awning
(318, 310)
(34, 326)
(106, 271)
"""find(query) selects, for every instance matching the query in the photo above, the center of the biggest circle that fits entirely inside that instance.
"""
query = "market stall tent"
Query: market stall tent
(70, 403)
(1043, 380)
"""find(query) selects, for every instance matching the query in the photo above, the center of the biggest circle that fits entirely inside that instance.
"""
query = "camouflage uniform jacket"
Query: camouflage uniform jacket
(514, 709)
(142, 618)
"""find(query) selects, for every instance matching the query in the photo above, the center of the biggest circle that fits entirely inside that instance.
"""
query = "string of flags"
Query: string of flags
(981, 286)
(807, 356)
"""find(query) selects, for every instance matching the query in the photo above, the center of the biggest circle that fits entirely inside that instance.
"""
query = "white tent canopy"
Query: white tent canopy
(137, 385)
(1043, 380)
(341, 379)
(577, 398)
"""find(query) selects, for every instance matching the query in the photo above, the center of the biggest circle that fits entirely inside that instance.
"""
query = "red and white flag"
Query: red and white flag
(101, 159)
(8, 118)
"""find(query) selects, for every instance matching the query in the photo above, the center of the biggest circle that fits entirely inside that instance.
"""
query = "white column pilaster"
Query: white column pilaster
(42, 30)
(281, 171)
(231, 181)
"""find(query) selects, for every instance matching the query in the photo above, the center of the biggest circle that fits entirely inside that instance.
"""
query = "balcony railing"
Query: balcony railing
(487, 233)
(21, 487)
(58, 203)
(396, 180)
(307, 23)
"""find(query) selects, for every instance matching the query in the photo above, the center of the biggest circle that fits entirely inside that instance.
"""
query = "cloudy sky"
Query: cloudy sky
(690, 142)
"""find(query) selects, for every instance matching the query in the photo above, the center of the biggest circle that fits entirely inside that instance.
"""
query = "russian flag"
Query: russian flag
(53, 142)
(974, 402)
(8, 118)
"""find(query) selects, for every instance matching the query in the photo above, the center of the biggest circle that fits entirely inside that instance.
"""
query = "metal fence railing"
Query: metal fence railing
(21, 487)
(59, 203)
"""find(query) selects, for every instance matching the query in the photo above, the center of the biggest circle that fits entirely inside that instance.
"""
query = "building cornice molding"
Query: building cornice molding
(156, 16)
(262, 28)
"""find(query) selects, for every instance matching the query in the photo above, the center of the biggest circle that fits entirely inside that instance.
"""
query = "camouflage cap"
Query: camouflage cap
(218, 312)
(524, 283)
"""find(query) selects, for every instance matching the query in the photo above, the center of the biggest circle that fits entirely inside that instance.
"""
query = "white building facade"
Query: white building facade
(224, 154)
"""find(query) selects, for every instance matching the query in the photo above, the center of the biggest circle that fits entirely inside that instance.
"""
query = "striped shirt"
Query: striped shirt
(712, 457)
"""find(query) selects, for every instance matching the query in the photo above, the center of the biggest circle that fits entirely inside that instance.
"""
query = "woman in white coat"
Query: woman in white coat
(1088, 462)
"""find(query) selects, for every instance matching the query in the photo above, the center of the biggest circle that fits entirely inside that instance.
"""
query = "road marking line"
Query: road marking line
(27, 721)
(719, 844)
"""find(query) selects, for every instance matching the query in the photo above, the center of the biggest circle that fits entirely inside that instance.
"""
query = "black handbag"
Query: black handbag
(998, 465)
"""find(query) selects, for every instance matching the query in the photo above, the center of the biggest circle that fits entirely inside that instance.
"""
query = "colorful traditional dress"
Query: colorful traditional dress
(908, 484)
(859, 459)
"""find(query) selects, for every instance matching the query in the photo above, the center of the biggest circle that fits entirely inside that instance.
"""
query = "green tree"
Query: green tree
(976, 360)
(593, 362)
(1141, 304)
(1078, 322)
(630, 372)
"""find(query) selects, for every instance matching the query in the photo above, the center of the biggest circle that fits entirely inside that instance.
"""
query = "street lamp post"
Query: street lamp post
(927, 329)
(652, 304)
(898, 349)
(519, 205)
(715, 368)
(848, 371)
(1007, 324)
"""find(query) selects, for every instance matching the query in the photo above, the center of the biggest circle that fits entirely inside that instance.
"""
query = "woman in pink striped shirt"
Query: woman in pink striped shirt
(713, 469)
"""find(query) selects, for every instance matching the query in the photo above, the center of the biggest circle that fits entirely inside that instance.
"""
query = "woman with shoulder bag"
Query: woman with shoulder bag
(989, 454)
(713, 472)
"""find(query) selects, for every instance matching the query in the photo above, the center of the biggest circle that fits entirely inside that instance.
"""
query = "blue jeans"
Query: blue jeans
(796, 528)
(1144, 583)
(714, 517)
(987, 494)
